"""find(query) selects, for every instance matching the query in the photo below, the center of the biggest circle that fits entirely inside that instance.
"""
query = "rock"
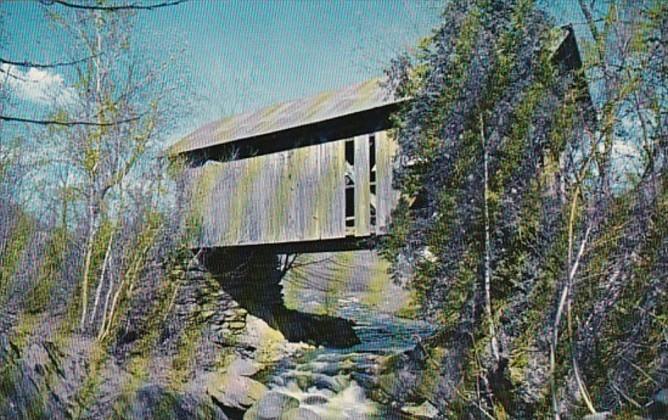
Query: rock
(278, 381)
(152, 401)
(238, 314)
(364, 380)
(327, 368)
(235, 391)
(236, 325)
(208, 314)
(327, 382)
(260, 335)
(274, 404)
(315, 400)
(342, 382)
(425, 410)
(242, 367)
(251, 413)
(300, 413)
(302, 380)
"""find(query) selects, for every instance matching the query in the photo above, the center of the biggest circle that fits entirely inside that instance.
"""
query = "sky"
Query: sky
(245, 54)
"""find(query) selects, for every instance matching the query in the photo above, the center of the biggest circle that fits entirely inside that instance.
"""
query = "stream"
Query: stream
(335, 383)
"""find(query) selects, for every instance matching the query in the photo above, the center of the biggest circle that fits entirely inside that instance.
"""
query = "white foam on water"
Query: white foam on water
(350, 403)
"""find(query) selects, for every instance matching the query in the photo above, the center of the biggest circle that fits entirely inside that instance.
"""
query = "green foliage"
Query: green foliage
(529, 112)
(13, 252)
(642, 300)
(39, 296)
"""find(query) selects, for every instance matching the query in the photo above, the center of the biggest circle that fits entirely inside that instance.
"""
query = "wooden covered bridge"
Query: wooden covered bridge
(313, 174)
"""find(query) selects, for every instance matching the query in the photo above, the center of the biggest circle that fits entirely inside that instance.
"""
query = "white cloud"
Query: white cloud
(37, 85)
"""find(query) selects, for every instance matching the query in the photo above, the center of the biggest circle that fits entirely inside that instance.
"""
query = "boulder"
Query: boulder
(243, 367)
(153, 401)
(300, 413)
(274, 404)
(336, 384)
(423, 411)
(234, 391)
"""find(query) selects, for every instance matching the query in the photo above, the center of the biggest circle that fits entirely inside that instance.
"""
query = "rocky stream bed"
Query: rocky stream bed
(333, 383)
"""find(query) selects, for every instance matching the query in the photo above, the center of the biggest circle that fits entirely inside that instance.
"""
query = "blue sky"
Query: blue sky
(249, 53)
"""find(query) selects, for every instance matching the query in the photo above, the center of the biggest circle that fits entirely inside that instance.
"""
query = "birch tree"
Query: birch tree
(118, 84)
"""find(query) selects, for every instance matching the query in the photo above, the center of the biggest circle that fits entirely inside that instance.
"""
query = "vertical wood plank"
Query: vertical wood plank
(239, 199)
(273, 208)
(338, 188)
(362, 186)
(281, 196)
(292, 218)
(385, 196)
(308, 192)
(237, 195)
(331, 190)
(256, 195)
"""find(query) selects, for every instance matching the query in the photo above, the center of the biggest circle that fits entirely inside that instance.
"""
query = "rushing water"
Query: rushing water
(335, 383)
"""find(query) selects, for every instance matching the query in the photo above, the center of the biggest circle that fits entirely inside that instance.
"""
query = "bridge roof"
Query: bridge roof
(283, 116)
(326, 106)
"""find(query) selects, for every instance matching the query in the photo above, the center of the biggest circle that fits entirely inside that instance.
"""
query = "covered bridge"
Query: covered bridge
(316, 171)
(311, 174)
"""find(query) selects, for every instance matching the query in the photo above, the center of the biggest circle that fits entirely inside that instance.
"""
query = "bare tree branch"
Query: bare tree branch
(66, 123)
(44, 65)
(131, 6)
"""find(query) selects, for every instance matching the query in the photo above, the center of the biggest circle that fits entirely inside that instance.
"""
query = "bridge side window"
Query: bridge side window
(372, 178)
(350, 183)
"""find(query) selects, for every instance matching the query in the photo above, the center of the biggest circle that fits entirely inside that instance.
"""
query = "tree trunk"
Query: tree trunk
(87, 263)
(488, 248)
(98, 293)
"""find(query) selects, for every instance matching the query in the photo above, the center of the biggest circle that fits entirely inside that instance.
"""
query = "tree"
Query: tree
(107, 7)
(105, 141)
(517, 212)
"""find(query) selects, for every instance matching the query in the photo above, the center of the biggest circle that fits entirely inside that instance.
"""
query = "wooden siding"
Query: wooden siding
(296, 195)
(332, 200)
(362, 187)
(386, 196)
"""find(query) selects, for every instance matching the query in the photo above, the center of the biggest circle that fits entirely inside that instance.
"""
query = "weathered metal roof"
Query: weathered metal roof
(324, 106)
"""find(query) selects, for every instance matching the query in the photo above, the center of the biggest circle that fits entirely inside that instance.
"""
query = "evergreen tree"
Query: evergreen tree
(513, 213)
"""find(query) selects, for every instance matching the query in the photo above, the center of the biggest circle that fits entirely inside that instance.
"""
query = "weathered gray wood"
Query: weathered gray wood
(274, 225)
(303, 179)
(362, 186)
(331, 197)
(386, 196)
(309, 187)
(281, 197)
(296, 195)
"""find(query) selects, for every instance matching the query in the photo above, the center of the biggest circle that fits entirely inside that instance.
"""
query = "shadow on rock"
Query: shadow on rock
(252, 279)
